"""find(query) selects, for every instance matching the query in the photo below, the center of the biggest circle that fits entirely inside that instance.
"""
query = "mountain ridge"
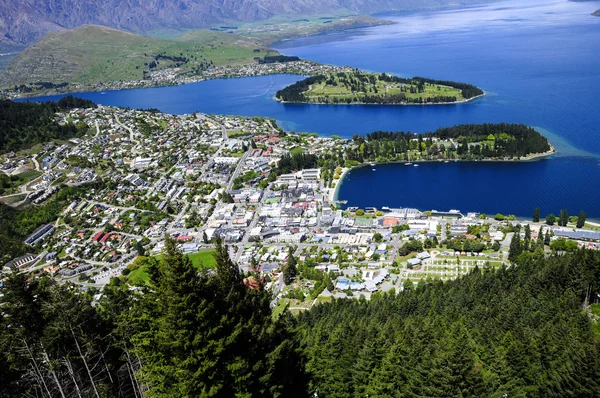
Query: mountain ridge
(23, 22)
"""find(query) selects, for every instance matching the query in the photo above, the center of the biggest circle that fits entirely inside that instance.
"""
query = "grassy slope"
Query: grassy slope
(342, 92)
(204, 259)
(92, 54)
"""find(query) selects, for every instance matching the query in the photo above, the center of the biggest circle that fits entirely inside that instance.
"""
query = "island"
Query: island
(358, 87)
(596, 13)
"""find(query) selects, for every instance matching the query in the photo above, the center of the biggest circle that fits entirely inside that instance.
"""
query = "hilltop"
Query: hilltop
(93, 54)
(597, 13)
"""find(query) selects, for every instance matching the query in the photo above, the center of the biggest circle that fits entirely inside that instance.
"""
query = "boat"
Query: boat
(447, 161)
(407, 163)
(372, 169)
(416, 165)
(372, 164)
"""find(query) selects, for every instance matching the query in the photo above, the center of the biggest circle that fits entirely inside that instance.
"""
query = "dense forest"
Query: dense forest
(271, 59)
(523, 331)
(185, 334)
(24, 124)
(372, 88)
(518, 332)
(469, 141)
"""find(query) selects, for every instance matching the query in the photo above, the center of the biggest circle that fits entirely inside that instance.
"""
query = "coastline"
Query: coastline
(400, 104)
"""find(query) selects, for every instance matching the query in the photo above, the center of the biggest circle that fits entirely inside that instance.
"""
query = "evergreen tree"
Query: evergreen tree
(213, 335)
(515, 248)
(140, 248)
(540, 238)
(290, 269)
(547, 237)
(527, 238)
(536, 214)
(581, 219)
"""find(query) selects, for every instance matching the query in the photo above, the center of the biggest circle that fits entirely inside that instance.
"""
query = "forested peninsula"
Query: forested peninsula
(502, 141)
(357, 87)
(498, 142)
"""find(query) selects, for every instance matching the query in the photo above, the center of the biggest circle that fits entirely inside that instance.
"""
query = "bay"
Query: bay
(538, 62)
(486, 187)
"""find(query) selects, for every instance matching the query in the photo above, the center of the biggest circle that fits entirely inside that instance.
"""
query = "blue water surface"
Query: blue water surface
(538, 62)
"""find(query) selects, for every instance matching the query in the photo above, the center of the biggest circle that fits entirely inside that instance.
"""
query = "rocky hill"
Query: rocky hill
(597, 13)
(27, 21)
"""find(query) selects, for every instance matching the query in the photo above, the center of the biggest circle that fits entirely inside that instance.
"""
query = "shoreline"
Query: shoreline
(400, 104)
(529, 158)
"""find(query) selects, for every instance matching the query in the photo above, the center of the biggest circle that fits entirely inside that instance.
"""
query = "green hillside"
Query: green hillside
(94, 54)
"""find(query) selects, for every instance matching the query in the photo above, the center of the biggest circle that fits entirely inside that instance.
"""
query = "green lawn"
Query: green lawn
(236, 133)
(202, 260)
(380, 88)
(297, 150)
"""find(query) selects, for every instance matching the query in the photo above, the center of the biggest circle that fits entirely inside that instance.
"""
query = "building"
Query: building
(40, 234)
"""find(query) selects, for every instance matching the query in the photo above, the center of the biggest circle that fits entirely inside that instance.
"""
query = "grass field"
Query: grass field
(342, 89)
(202, 260)
(92, 54)
(297, 150)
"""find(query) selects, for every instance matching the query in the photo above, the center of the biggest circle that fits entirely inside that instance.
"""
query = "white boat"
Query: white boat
(372, 164)
(407, 163)
(372, 169)
(416, 165)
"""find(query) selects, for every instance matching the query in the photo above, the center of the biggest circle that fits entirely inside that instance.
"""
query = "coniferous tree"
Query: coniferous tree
(515, 248)
(290, 269)
(213, 335)
(540, 238)
(581, 219)
(536, 214)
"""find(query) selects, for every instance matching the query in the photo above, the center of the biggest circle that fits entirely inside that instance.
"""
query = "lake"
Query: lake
(538, 62)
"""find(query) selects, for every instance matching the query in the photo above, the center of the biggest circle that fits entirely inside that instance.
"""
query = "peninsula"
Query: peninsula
(501, 141)
(357, 87)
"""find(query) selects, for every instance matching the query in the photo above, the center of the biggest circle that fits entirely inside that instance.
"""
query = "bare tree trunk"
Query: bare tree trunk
(62, 394)
(133, 384)
(84, 362)
(37, 369)
(70, 368)
(134, 381)
(106, 367)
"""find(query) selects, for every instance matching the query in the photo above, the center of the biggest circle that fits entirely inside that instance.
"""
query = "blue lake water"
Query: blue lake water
(538, 61)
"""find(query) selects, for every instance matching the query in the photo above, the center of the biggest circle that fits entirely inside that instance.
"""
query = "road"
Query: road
(238, 170)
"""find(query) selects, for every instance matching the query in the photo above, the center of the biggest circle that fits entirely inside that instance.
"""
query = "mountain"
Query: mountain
(93, 54)
(26, 21)
(597, 13)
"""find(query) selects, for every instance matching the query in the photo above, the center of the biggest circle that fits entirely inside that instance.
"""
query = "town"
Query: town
(141, 176)
(177, 76)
